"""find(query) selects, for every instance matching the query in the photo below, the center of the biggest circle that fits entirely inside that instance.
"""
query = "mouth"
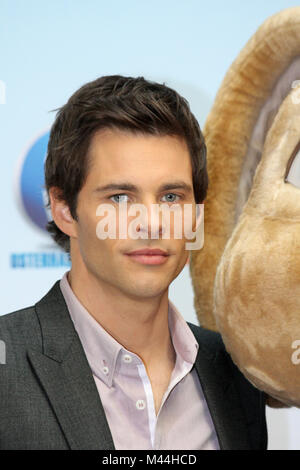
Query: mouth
(152, 257)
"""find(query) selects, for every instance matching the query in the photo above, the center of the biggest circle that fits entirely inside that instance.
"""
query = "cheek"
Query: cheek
(185, 257)
(178, 247)
(88, 227)
(180, 260)
(87, 234)
(183, 221)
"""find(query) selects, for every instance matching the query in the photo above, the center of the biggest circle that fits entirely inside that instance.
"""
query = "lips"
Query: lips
(149, 252)
(149, 256)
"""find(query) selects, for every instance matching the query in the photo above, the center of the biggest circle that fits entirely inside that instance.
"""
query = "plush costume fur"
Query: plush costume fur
(256, 296)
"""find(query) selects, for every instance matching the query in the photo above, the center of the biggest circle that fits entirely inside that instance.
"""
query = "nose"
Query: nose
(150, 223)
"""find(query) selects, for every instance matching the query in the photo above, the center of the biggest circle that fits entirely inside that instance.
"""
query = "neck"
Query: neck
(140, 325)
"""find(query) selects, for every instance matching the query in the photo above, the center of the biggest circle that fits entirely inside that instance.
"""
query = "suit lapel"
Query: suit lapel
(222, 398)
(66, 377)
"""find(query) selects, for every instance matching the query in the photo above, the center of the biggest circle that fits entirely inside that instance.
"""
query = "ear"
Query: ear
(61, 213)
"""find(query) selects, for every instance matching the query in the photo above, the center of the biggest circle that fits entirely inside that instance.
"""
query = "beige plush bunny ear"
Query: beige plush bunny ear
(257, 285)
(246, 104)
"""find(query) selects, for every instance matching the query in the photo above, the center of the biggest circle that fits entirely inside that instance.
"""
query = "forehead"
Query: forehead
(120, 153)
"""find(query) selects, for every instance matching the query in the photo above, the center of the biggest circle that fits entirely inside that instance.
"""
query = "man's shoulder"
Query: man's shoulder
(19, 325)
(247, 397)
(17, 318)
(212, 344)
(209, 340)
(26, 317)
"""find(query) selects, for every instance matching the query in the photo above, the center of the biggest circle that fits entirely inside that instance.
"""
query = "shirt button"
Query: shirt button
(140, 404)
(127, 358)
(105, 370)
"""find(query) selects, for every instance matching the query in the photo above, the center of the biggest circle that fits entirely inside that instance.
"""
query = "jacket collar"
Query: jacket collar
(219, 388)
(103, 350)
(67, 379)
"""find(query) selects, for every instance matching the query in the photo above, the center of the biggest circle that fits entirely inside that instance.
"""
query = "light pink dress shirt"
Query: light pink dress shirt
(183, 420)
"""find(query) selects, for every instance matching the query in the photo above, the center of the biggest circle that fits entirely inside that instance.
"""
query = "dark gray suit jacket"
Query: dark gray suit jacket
(49, 400)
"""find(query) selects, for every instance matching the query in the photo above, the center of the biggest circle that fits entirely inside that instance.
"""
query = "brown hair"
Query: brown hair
(126, 103)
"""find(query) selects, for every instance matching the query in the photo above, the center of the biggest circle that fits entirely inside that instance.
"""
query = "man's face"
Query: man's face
(146, 162)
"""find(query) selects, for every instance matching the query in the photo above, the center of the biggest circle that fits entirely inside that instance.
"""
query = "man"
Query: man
(104, 360)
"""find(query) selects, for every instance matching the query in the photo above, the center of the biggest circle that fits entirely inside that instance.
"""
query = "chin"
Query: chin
(147, 291)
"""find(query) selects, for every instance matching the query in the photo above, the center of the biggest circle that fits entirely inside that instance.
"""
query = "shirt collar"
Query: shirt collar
(102, 350)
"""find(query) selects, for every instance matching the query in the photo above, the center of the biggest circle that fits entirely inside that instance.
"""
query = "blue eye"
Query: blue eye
(176, 195)
(126, 195)
(118, 195)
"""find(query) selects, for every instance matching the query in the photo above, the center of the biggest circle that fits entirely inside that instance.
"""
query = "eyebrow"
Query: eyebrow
(126, 186)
